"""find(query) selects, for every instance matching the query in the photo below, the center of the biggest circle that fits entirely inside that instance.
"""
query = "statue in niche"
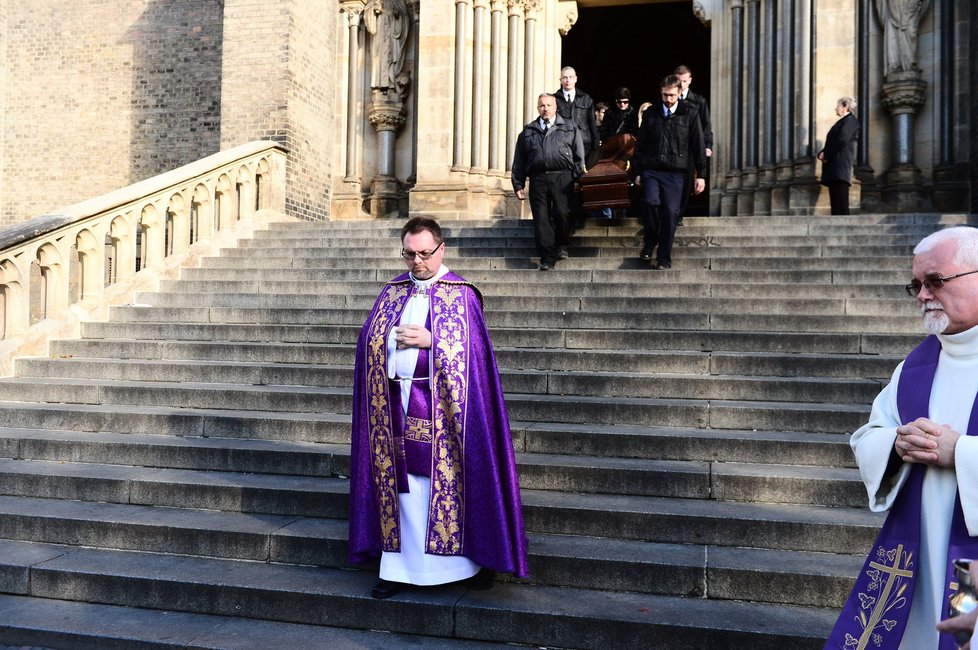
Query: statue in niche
(388, 22)
(900, 20)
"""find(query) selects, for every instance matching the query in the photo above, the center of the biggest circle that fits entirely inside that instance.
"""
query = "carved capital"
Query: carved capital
(386, 111)
(533, 7)
(566, 16)
(515, 7)
(904, 94)
(353, 10)
(480, 4)
(497, 6)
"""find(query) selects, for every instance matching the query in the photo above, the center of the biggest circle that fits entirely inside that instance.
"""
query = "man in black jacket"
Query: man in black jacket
(576, 106)
(685, 76)
(550, 152)
(839, 154)
(670, 141)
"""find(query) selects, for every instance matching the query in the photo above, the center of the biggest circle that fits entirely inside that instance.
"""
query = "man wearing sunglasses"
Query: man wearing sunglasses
(433, 486)
(918, 456)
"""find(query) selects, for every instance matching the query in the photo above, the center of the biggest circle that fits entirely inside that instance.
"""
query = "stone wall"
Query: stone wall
(101, 94)
(279, 85)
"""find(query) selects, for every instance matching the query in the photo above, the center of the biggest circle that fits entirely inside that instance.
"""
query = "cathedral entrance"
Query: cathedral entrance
(635, 45)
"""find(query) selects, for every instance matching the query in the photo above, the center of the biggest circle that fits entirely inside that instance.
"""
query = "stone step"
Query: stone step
(632, 290)
(635, 360)
(597, 381)
(624, 260)
(158, 333)
(506, 613)
(540, 306)
(730, 237)
(300, 458)
(272, 493)
(530, 276)
(288, 538)
(32, 623)
(210, 423)
(692, 397)
(574, 320)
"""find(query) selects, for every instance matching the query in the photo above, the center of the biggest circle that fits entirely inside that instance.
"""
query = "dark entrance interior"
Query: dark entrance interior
(636, 46)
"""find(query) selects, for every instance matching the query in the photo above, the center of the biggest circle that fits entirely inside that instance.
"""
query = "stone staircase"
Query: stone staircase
(177, 477)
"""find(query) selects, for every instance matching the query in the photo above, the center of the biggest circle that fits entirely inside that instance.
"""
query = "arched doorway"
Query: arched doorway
(614, 44)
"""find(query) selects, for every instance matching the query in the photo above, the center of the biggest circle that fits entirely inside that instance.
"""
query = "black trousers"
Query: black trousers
(549, 197)
(839, 197)
(661, 196)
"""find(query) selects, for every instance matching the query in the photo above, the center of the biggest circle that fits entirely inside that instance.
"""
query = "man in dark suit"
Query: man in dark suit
(839, 154)
(697, 101)
(575, 105)
(670, 141)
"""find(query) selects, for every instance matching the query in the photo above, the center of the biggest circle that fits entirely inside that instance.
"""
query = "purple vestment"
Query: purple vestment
(875, 615)
(475, 506)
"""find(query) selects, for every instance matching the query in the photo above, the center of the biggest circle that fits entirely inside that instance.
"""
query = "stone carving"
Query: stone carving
(388, 22)
(900, 20)
(570, 18)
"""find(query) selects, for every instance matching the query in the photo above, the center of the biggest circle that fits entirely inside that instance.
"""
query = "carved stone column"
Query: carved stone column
(863, 171)
(513, 118)
(785, 168)
(950, 175)
(732, 187)
(769, 151)
(478, 162)
(804, 188)
(748, 185)
(904, 94)
(531, 9)
(354, 11)
(458, 138)
(387, 117)
(495, 83)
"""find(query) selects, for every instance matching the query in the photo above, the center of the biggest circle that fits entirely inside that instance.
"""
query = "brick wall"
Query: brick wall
(279, 84)
(100, 94)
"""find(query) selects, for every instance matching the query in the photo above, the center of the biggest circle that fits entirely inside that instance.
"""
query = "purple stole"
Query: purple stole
(875, 615)
(413, 433)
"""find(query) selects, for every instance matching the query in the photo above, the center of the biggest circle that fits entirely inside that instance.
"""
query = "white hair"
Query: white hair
(966, 237)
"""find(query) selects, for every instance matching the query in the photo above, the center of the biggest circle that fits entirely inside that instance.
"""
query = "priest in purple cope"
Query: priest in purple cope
(918, 457)
(433, 488)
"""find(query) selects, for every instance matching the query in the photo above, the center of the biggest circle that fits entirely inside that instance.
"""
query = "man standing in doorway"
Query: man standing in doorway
(576, 106)
(670, 143)
(550, 153)
(685, 76)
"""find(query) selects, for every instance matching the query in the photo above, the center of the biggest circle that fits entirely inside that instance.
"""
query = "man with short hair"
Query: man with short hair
(549, 152)
(685, 76)
(575, 105)
(670, 142)
(433, 485)
(918, 456)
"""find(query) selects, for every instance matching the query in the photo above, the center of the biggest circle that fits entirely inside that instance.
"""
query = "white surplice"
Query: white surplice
(412, 565)
(952, 396)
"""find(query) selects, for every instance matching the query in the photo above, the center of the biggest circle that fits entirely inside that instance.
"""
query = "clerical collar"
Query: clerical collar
(442, 270)
(962, 344)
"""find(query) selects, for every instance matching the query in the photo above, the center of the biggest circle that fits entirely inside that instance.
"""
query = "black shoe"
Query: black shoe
(546, 266)
(482, 581)
(661, 266)
(385, 589)
(646, 253)
(679, 223)
(562, 254)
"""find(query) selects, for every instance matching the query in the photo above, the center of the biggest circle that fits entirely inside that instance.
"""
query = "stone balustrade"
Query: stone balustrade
(58, 269)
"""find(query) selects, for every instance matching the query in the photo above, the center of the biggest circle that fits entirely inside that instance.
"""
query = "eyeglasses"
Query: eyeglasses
(424, 255)
(932, 283)
(622, 101)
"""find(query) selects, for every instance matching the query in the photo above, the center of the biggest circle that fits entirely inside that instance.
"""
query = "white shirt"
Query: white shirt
(952, 396)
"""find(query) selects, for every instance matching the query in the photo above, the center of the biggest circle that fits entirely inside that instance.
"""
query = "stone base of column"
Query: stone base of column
(457, 201)
(745, 199)
(386, 199)
(781, 192)
(728, 201)
(905, 190)
(804, 189)
(763, 194)
(951, 189)
(870, 199)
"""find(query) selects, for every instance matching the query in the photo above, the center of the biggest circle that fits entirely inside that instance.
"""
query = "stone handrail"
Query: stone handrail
(58, 269)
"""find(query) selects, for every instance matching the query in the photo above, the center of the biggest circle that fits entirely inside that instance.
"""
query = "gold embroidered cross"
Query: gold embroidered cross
(880, 608)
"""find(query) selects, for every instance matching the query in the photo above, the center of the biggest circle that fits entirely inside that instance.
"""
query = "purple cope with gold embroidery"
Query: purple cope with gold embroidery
(875, 615)
(475, 507)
